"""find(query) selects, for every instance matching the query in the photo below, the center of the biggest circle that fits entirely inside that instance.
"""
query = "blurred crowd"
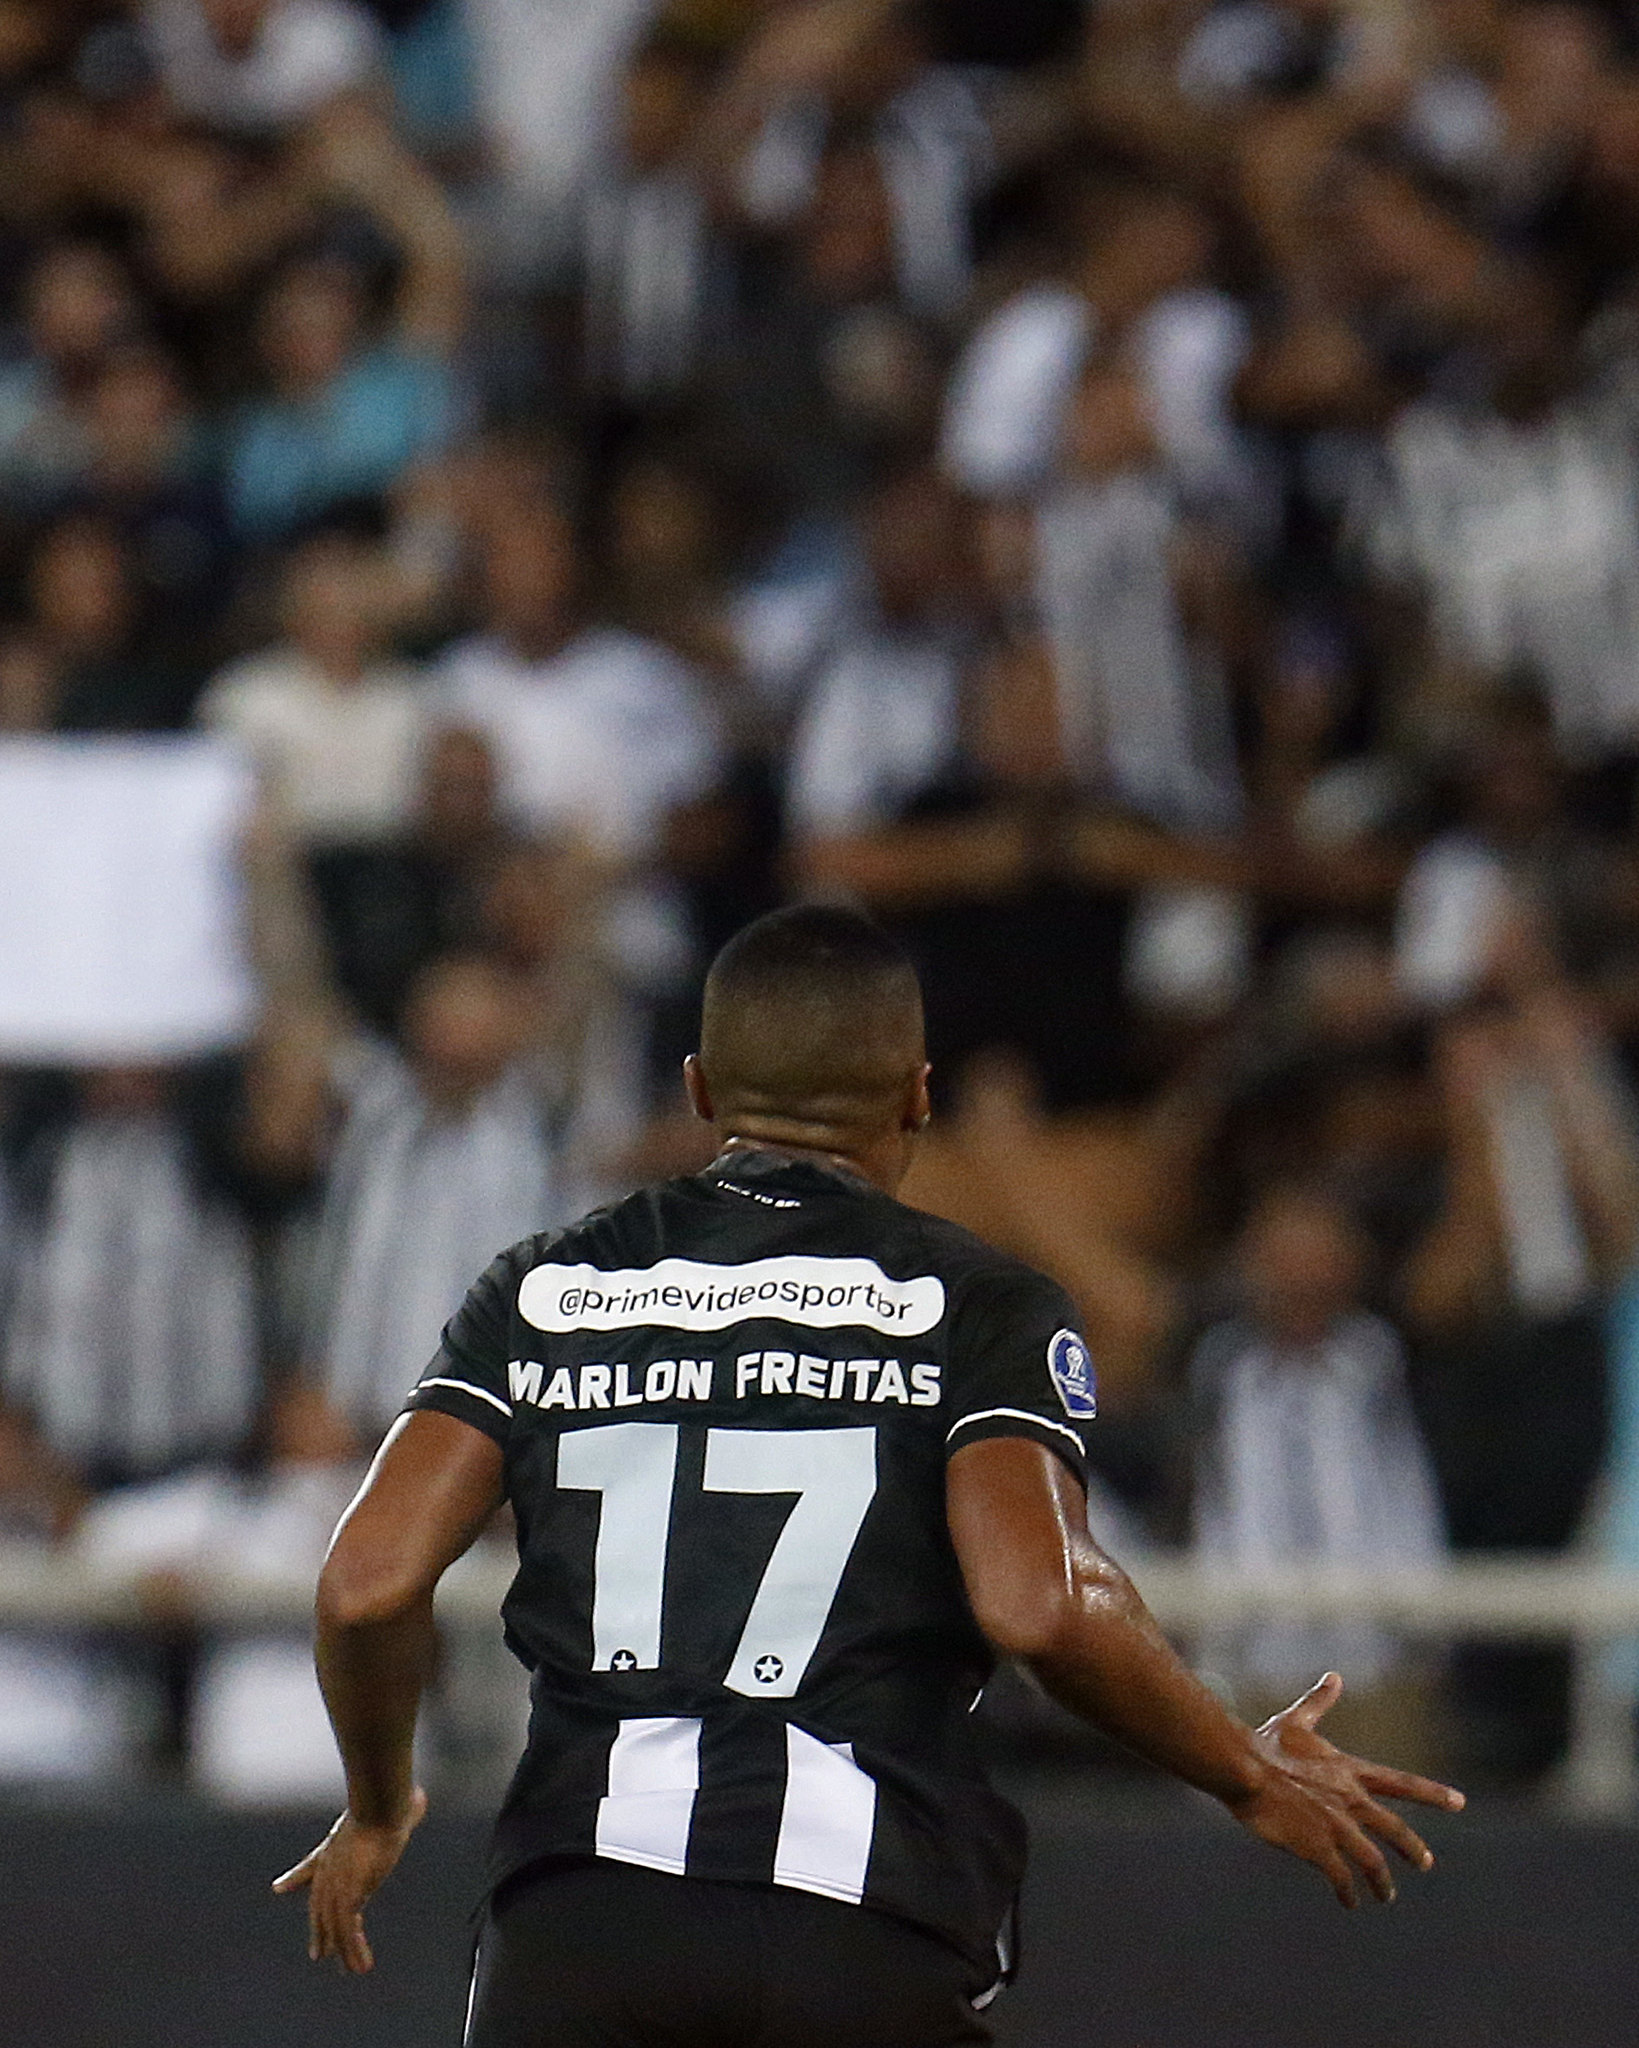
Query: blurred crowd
(1143, 495)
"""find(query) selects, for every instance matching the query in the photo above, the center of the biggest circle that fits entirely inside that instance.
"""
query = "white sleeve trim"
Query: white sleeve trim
(1017, 1415)
(466, 1387)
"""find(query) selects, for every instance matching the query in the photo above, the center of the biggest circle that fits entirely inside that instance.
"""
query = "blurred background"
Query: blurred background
(1142, 495)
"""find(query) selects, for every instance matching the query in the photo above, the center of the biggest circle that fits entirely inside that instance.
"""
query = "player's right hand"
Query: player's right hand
(1320, 1803)
(340, 1875)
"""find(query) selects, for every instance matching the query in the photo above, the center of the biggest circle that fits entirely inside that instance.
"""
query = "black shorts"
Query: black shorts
(605, 1955)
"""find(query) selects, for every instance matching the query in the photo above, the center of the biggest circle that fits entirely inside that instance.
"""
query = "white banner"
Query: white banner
(121, 919)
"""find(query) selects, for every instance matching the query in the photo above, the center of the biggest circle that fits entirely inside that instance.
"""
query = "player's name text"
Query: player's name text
(794, 1375)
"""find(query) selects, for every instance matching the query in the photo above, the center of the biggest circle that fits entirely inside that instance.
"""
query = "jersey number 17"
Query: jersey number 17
(633, 1465)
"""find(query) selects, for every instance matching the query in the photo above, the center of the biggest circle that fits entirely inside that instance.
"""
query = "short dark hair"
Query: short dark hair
(818, 947)
(812, 1013)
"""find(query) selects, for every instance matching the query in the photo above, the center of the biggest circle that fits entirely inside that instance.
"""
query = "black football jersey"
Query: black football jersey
(726, 1405)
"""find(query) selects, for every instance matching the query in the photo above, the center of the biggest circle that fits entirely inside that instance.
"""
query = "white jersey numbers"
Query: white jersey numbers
(633, 1465)
(833, 1474)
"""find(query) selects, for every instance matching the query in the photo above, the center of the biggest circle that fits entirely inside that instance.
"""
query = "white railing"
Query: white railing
(1592, 1608)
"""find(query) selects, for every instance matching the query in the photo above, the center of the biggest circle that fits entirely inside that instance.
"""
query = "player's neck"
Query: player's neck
(871, 1165)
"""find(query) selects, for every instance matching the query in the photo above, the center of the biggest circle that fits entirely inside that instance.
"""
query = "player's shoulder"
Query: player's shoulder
(629, 1230)
(969, 1265)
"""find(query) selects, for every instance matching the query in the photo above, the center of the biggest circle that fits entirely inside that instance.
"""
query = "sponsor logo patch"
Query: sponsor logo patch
(688, 1294)
(1071, 1364)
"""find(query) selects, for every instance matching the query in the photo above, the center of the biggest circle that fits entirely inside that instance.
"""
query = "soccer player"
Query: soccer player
(792, 1466)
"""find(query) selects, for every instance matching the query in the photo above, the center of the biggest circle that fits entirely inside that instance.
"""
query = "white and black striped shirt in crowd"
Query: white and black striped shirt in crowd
(727, 1405)
(132, 1336)
(418, 1196)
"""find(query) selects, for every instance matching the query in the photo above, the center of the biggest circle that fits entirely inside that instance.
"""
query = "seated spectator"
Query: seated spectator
(337, 727)
(86, 627)
(882, 717)
(648, 255)
(805, 78)
(1506, 520)
(387, 909)
(444, 1155)
(1507, 1292)
(147, 474)
(545, 913)
(351, 403)
(260, 67)
(1307, 1451)
(597, 733)
(544, 87)
(1515, 871)
(1138, 296)
(667, 553)
(940, 790)
(131, 1350)
(78, 303)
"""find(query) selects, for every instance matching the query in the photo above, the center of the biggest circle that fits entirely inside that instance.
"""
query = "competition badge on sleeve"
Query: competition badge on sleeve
(1071, 1364)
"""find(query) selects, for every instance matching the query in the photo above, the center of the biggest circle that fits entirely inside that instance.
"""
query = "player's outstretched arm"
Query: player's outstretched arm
(434, 1484)
(1043, 1592)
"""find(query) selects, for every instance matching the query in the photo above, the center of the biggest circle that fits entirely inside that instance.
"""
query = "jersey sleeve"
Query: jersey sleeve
(1020, 1366)
(468, 1374)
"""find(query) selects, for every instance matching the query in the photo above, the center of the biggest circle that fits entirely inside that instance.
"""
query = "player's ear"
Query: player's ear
(918, 1108)
(694, 1083)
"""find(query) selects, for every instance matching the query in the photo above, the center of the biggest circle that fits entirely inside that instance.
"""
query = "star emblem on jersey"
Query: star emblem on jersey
(1071, 1365)
(623, 1660)
(768, 1670)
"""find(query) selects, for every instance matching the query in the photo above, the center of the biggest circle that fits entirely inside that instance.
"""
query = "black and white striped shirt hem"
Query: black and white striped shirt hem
(827, 1814)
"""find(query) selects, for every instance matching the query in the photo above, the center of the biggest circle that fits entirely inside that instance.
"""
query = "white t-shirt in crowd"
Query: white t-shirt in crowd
(879, 726)
(1010, 392)
(1005, 406)
(344, 758)
(306, 52)
(1520, 534)
(599, 740)
(545, 73)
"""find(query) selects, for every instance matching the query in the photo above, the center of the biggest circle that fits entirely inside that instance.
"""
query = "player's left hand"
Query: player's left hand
(1322, 1804)
(340, 1875)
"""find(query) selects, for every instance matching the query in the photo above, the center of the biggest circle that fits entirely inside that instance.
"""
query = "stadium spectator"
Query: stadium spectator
(131, 1350)
(149, 474)
(597, 733)
(651, 264)
(388, 908)
(881, 721)
(337, 728)
(825, 375)
(78, 303)
(260, 67)
(86, 627)
(1507, 1295)
(350, 402)
(545, 89)
(1137, 296)
(1306, 1450)
(441, 1152)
